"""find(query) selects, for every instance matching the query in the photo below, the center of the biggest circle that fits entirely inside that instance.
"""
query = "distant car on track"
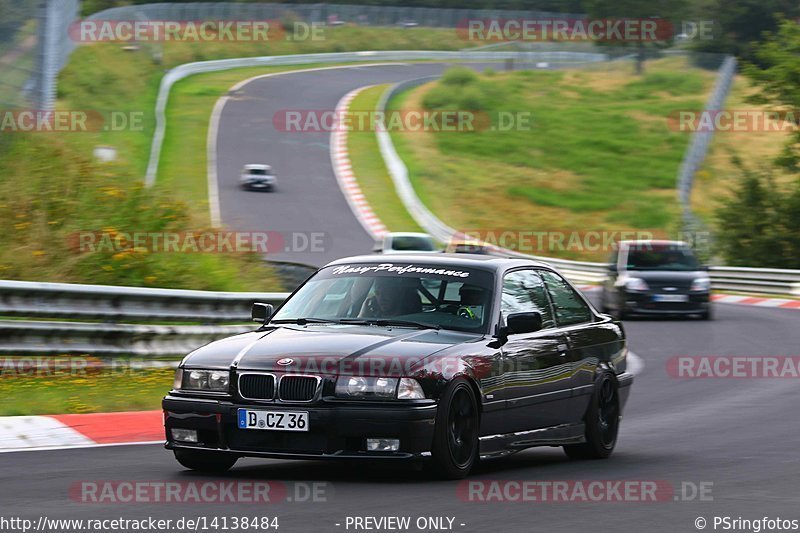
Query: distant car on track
(467, 246)
(650, 277)
(440, 358)
(405, 242)
(258, 177)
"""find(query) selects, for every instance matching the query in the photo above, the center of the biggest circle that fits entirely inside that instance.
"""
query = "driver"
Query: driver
(473, 299)
(392, 297)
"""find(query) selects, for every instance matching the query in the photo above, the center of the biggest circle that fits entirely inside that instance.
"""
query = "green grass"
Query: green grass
(370, 170)
(599, 155)
(138, 390)
(51, 188)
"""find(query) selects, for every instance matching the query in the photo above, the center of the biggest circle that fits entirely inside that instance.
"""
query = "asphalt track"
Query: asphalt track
(307, 199)
(740, 435)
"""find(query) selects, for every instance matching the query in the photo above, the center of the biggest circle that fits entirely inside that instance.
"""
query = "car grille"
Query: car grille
(257, 386)
(298, 388)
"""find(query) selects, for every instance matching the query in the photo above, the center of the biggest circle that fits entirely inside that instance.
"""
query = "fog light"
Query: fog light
(383, 445)
(184, 435)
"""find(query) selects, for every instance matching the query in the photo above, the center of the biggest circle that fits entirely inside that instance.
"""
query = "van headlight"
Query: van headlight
(202, 380)
(701, 284)
(636, 284)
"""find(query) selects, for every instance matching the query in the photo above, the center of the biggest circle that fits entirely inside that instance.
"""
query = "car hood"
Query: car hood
(327, 349)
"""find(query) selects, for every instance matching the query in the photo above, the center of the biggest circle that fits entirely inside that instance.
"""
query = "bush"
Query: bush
(459, 76)
(759, 226)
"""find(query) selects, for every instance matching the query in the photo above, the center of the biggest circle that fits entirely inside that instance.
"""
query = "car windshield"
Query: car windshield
(412, 243)
(393, 294)
(258, 172)
(661, 257)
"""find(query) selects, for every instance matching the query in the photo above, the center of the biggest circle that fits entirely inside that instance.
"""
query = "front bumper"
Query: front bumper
(336, 430)
(645, 303)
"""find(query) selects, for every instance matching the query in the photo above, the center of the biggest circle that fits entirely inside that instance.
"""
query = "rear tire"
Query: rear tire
(455, 437)
(205, 461)
(602, 422)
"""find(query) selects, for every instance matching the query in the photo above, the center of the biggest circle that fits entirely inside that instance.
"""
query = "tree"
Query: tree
(665, 10)
(777, 71)
(740, 24)
(759, 226)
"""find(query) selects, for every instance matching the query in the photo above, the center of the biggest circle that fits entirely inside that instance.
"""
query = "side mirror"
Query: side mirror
(261, 312)
(524, 322)
(612, 267)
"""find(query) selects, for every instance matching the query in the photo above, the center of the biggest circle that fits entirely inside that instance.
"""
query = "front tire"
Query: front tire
(455, 437)
(602, 422)
(206, 461)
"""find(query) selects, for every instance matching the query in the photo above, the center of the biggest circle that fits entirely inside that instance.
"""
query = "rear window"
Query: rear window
(258, 172)
(412, 243)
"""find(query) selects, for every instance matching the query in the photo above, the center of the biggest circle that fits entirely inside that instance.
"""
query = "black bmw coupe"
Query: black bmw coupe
(444, 359)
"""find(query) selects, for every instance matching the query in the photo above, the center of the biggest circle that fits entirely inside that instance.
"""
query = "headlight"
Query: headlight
(701, 284)
(636, 284)
(365, 387)
(203, 380)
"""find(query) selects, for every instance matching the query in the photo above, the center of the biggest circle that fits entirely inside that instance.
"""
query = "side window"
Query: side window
(569, 307)
(523, 291)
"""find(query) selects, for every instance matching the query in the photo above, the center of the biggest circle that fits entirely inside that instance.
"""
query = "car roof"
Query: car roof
(480, 261)
(255, 166)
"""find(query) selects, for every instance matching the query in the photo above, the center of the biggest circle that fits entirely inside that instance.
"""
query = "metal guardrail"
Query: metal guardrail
(155, 308)
(701, 140)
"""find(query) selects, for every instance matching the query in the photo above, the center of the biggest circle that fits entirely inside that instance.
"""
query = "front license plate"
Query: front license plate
(670, 298)
(273, 420)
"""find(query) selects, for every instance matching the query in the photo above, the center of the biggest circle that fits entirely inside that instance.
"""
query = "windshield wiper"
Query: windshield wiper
(383, 322)
(304, 320)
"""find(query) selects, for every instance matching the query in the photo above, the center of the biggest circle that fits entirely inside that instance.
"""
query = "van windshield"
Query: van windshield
(661, 257)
